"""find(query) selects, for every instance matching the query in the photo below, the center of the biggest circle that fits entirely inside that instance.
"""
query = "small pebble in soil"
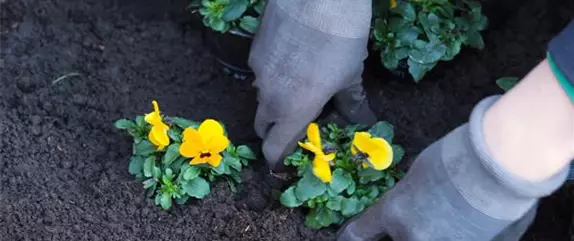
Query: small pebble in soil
(25, 85)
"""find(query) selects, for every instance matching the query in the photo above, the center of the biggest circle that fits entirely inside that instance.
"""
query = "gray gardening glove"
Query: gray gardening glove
(454, 191)
(306, 52)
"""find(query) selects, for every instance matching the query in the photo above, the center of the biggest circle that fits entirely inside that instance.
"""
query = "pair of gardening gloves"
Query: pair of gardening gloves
(305, 54)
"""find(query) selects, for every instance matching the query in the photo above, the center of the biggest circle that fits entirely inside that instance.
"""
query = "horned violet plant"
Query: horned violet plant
(176, 158)
(342, 171)
(230, 15)
(420, 33)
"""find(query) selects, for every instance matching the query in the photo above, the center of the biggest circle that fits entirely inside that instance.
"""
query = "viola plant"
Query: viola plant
(342, 171)
(235, 16)
(176, 158)
(419, 33)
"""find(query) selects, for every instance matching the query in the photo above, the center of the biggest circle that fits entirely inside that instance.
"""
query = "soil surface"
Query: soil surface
(70, 68)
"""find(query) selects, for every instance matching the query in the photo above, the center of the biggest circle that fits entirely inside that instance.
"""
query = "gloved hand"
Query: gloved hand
(306, 52)
(454, 190)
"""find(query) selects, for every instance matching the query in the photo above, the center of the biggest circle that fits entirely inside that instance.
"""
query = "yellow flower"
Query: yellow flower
(378, 151)
(158, 133)
(204, 144)
(393, 3)
(321, 162)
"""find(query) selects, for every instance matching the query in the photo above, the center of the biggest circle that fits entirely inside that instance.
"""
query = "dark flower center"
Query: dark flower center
(205, 155)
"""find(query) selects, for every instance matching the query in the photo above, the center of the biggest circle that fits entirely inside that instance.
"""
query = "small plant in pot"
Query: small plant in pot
(231, 25)
(414, 35)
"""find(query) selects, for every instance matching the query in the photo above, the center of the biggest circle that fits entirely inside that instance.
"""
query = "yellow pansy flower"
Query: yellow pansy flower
(378, 151)
(158, 133)
(205, 144)
(393, 3)
(321, 162)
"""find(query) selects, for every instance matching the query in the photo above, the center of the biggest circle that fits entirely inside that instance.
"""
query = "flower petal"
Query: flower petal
(217, 144)
(210, 128)
(154, 117)
(198, 160)
(329, 157)
(310, 147)
(190, 149)
(214, 160)
(158, 136)
(382, 156)
(362, 142)
(191, 135)
(321, 169)
(314, 135)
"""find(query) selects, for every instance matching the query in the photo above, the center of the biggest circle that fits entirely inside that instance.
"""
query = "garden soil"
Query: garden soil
(70, 68)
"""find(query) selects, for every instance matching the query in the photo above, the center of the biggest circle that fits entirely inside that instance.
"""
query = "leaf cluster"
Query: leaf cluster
(424, 32)
(353, 188)
(235, 16)
(167, 175)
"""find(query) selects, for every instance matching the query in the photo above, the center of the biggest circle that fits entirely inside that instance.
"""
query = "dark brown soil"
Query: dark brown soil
(63, 167)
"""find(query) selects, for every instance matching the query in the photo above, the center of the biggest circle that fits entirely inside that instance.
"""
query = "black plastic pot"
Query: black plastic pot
(231, 49)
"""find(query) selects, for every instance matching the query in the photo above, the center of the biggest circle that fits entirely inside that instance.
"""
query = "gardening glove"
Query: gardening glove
(454, 190)
(304, 53)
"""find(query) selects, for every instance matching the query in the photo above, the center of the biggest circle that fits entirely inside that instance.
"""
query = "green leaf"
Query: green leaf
(182, 200)
(406, 10)
(350, 206)
(259, 6)
(156, 172)
(245, 152)
(232, 162)
(125, 124)
(149, 183)
(165, 201)
(389, 60)
(433, 23)
(367, 175)
(144, 148)
(289, 199)
(311, 220)
(148, 166)
(171, 154)
(390, 181)
(418, 70)
(309, 187)
(506, 83)
(176, 166)
(396, 24)
(452, 50)
(398, 154)
(136, 165)
(326, 216)
(234, 10)
(169, 174)
(198, 187)
(474, 39)
(190, 173)
(335, 203)
(383, 129)
(340, 182)
(174, 135)
(408, 35)
(249, 24)
(184, 123)
(352, 187)
(140, 122)
(223, 168)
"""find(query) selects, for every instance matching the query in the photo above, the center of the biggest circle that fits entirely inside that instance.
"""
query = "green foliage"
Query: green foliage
(506, 83)
(423, 32)
(230, 15)
(353, 187)
(167, 175)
